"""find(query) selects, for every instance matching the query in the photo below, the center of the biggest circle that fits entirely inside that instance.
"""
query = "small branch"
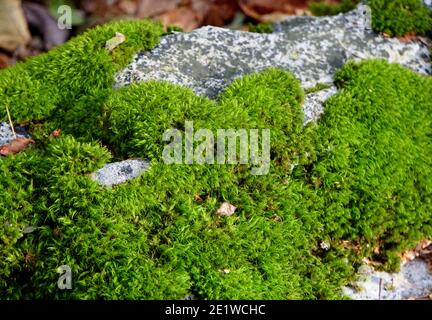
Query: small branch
(380, 286)
(10, 122)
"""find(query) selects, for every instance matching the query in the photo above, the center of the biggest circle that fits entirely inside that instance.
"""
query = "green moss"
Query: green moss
(319, 8)
(151, 238)
(395, 18)
(317, 87)
(52, 82)
(360, 175)
(373, 156)
(400, 17)
(263, 27)
(172, 29)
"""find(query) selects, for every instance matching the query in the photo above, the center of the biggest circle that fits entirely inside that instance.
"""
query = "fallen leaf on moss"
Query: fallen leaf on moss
(56, 133)
(276, 218)
(224, 271)
(377, 250)
(29, 258)
(57, 233)
(113, 43)
(423, 248)
(197, 198)
(226, 209)
(15, 146)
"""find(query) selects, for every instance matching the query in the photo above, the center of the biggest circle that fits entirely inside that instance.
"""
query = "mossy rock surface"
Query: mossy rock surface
(357, 179)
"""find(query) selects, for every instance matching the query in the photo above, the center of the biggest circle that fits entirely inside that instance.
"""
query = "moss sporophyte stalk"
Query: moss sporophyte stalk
(358, 179)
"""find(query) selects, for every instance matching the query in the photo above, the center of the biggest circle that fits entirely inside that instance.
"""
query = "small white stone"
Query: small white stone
(120, 172)
(226, 209)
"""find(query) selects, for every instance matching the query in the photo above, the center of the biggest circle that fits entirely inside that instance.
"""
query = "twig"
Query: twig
(10, 122)
(379, 292)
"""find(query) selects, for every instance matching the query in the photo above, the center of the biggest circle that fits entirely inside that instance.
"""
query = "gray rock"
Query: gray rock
(413, 281)
(120, 172)
(313, 48)
(6, 133)
(313, 105)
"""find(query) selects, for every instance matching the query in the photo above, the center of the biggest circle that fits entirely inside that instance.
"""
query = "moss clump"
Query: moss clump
(395, 18)
(400, 17)
(158, 236)
(358, 179)
(319, 8)
(317, 87)
(49, 83)
(263, 27)
(373, 157)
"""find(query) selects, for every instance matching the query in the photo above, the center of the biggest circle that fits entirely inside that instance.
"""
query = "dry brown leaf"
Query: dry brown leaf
(184, 17)
(15, 146)
(226, 209)
(408, 37)
(370, 262)
(56, 133)
(114, 42)
(151, 8)
(57, 232)
(198, 198)
(224, 271)
(276, 218)
(350, 245)
(377, 250)
(129, 7)
(280, 16)
(423, 248)
(13, 26)
(5, 60)
(264, 10)
(29, 258)
(220, 12)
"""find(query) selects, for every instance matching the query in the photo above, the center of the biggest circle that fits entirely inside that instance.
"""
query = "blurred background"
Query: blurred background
(29, 28)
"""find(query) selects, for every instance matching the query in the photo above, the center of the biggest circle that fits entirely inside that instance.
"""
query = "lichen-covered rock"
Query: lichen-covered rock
(413, 281)
(314, 104)
(120, 172)
(313, 48)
